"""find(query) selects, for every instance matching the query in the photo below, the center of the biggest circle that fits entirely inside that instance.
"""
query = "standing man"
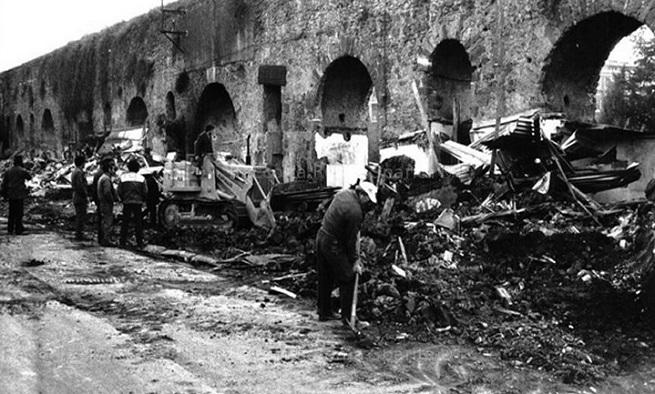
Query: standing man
(13, 189)
(80, 197)
(133, 191)
(152, 199)
(106, 198)
(203, 143)
(94, 196)
(337, 245)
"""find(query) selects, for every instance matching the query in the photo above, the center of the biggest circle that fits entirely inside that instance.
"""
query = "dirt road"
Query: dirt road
(78, 318)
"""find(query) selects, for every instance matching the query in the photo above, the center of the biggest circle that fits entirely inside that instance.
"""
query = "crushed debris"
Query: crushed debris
(506, 252)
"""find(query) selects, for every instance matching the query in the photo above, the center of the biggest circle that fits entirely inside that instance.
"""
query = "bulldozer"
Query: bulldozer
(214, 191)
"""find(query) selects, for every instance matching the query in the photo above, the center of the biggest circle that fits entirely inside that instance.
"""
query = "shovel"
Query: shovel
(353, 307)
(361, 339)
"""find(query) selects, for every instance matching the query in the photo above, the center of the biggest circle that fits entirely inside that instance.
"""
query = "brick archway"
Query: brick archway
(343, 96)
(137, 112)
(571, 69)
(215, 108)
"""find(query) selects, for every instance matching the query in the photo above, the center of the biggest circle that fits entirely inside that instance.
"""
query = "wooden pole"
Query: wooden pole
(498, 64)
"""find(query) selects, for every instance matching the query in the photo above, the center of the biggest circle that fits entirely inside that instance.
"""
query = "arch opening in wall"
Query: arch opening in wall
(20, 126)
(47, 123)
(348, 120)
(215, 109)
(137, 112)
(344, 92)
(170, 106)
(623, 70)
(571, 72)
(449, 93)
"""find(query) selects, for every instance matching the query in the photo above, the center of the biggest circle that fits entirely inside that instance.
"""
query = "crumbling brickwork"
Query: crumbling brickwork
(538, 54)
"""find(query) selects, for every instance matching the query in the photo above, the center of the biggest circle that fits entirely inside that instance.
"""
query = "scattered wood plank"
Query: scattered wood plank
(403, 252)
(279, 290)
(290, 276)
(399, 271)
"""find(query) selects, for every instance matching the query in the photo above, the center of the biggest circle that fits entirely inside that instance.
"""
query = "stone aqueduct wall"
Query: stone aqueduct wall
(550, 56)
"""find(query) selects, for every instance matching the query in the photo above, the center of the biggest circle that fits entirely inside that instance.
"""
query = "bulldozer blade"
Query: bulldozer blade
(261, 216)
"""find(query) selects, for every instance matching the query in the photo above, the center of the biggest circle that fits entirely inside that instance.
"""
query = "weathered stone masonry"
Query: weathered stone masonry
(337, 54)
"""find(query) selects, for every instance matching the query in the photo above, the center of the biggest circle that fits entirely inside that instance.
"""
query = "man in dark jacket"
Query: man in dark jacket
(152, 200)
(337, 244)
(203, 143)
(106, 196)
(94, 195)
(80, 196)
(13, 189)
(133, 191)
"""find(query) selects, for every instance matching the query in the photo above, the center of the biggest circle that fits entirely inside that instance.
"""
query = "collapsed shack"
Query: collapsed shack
(524, 155)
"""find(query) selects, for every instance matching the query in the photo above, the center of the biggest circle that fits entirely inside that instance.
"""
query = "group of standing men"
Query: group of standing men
(132, 191)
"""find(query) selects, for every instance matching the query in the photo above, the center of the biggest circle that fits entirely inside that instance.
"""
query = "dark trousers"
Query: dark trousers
(106, 221)
(15, 225)
(132, 214)
(334, 269)
(80, 219)
(99, 225)
(152, 212)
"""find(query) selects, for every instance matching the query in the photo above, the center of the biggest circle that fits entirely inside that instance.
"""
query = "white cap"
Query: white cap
(370, 189)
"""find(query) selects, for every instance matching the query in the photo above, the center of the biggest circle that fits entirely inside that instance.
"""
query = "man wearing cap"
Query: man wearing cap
(337, 247)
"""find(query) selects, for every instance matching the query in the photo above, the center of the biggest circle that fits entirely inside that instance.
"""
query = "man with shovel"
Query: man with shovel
(337, 248)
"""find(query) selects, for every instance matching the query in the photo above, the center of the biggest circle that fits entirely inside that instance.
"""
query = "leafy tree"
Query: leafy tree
(630, 99)
(614, 109)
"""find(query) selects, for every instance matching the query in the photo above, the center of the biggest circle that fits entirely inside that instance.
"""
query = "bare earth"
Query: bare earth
(78, 318)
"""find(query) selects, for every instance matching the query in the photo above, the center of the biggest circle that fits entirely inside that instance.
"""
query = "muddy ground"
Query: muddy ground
(76, 317)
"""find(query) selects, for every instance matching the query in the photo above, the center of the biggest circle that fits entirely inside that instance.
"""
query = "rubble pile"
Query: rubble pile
(522, 263)
(546, 287)
(542, 291)
(50, 177)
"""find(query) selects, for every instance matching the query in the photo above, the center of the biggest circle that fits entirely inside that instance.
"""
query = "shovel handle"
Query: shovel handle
(353, 306)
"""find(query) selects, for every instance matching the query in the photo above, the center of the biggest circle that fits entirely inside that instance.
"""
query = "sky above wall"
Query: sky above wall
(624, 49)
(31, 28)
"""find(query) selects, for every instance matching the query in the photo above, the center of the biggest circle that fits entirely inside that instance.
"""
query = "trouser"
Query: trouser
(99, 224)
(132, 214)
(106, 216)
(15, 219)
(334, 269)
(80, 219)
(152, 212)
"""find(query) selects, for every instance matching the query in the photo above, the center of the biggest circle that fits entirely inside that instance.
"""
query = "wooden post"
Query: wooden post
(498, 63)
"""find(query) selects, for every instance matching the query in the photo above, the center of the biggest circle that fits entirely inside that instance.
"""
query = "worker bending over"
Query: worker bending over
(337, 247)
